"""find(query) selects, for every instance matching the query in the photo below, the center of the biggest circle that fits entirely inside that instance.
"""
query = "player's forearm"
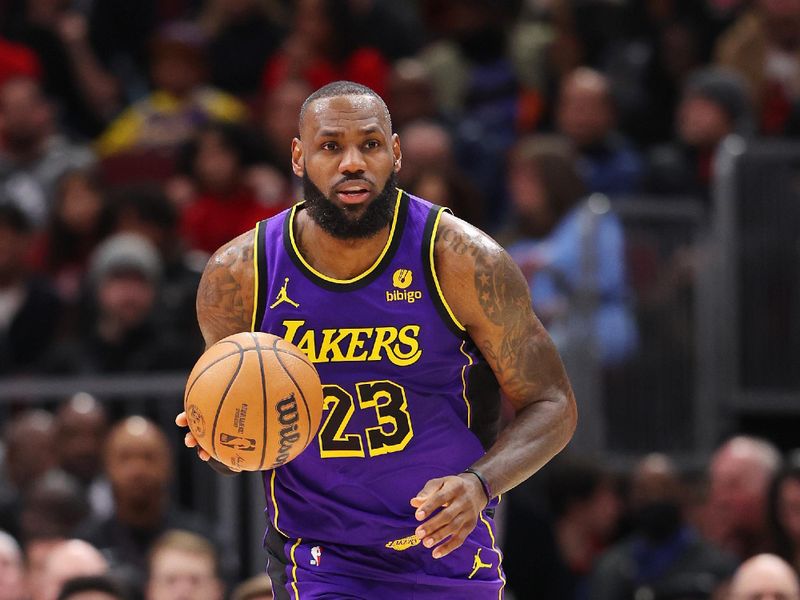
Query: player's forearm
(538, 432)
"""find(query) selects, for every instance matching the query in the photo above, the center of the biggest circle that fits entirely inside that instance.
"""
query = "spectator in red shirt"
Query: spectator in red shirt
(17, 60)
(320, 49)
(222, 203)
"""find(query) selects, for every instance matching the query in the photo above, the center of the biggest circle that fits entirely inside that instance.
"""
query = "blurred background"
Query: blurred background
(638, 159)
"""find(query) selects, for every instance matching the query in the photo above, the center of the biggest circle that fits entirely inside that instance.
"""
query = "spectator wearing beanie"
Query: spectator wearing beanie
(122, 334)
(715, 104)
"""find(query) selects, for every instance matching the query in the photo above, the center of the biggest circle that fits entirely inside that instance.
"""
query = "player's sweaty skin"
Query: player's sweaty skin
(490, 297)
(517, 357)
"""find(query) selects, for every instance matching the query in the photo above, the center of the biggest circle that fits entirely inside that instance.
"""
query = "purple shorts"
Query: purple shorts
(304, 569)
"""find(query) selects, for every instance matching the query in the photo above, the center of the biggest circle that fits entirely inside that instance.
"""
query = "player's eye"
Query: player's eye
(372, 144)
(329, 146)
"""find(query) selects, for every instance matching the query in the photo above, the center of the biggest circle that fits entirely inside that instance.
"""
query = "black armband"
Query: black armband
(484, 484)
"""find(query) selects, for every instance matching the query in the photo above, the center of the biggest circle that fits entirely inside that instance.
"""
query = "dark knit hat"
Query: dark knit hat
(725, 88)
(125, 252)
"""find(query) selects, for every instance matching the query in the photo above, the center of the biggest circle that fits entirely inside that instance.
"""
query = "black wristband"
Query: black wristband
(484, 484)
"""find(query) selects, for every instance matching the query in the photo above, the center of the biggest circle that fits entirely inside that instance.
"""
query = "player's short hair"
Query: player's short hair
(187, 542)
(343, 88)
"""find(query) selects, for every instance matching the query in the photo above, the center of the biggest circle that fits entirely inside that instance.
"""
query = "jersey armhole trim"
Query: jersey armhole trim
(428, 244)
(259, 275)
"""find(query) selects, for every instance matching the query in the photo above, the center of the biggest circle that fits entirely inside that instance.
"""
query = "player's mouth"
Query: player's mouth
(352, 193)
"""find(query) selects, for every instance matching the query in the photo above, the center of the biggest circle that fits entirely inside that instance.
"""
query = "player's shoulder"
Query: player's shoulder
(225, 295)
(458, 244)
(473, 270)
(236, 252)
(229, 268)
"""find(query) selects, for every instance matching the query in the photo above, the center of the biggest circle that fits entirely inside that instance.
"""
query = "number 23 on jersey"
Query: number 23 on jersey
(392, 433)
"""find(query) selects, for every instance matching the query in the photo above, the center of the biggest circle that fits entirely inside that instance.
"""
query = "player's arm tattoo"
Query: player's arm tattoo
(489, 296)
(504, 299)
(515, 343)
(225, 294)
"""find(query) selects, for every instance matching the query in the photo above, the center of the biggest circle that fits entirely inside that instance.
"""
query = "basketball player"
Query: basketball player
(411, 317)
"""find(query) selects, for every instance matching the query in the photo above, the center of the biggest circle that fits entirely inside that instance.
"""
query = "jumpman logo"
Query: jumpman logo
(477, 563)
(283, 296)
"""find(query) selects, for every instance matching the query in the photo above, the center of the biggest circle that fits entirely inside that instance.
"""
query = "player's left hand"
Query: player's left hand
(459, 500)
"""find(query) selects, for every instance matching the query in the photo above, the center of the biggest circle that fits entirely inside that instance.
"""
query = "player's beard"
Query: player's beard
(344, 222)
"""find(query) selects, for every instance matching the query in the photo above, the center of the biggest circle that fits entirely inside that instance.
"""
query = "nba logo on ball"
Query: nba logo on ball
(253, 401)
(196, 421)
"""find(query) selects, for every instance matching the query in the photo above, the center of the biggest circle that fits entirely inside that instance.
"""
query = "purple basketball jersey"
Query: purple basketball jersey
(398, 372)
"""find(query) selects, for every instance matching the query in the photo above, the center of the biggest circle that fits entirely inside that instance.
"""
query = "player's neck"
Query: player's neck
(336, 257)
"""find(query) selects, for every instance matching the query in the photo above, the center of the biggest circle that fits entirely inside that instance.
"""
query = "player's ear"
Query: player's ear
(298, 161)
(396, 152)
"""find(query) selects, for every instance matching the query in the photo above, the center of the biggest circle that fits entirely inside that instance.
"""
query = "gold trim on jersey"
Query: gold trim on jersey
(499, 556)
(456, 322)
(294, 569)
(374, 265)
(274, 503)
(255, 277)
(464, 383)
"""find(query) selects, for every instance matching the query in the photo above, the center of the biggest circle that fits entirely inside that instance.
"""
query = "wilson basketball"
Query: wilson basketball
(253, 401)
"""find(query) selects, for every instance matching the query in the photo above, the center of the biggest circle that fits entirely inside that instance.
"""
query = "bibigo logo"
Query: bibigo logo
(402, 279)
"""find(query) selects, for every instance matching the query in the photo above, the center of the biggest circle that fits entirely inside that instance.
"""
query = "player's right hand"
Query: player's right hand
(189, 440)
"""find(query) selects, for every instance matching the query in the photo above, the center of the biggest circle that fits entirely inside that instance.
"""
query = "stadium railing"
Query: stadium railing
(756, 329)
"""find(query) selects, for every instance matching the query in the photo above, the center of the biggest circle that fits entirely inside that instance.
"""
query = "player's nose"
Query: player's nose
(352, 161)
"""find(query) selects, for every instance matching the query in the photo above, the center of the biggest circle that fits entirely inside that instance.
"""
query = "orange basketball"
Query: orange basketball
(253, 401)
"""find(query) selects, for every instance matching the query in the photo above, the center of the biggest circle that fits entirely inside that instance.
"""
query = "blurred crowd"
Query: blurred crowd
(89, 504)
(137, 136)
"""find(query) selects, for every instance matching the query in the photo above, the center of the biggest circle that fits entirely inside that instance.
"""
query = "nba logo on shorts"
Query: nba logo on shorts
(316, 555)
